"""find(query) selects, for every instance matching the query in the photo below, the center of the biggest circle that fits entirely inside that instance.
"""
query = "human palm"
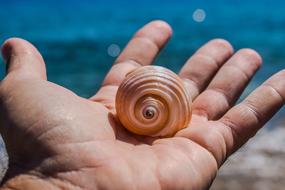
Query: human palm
(58, 140)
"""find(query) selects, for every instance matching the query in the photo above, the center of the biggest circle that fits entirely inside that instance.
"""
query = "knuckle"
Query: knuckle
(275, 92)
(145, 42)
(250, 105)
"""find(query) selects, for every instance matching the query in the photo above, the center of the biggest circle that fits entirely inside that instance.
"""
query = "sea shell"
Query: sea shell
(153, 101)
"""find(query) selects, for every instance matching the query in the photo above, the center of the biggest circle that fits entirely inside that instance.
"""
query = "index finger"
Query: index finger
(141, 50)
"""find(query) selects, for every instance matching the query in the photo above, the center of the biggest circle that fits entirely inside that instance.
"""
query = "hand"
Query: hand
(58, 140)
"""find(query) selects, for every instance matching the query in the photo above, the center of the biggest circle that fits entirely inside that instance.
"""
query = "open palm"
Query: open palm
(58, 140)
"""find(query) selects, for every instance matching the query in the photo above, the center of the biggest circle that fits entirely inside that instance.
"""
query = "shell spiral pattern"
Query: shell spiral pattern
(153, 101)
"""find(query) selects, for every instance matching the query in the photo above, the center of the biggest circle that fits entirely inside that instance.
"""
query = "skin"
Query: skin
(58, 140)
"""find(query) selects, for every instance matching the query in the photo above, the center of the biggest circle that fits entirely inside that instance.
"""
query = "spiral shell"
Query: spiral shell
(152, 101)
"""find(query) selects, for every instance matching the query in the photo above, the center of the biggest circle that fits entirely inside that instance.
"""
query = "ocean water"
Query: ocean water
(74, 36)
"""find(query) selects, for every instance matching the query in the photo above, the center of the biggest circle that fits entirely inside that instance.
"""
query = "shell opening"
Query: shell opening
(149, 112)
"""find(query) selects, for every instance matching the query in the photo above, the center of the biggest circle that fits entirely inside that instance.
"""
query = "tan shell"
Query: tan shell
(152, 101)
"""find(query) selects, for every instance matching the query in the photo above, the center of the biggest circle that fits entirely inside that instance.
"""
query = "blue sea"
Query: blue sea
(74, 36)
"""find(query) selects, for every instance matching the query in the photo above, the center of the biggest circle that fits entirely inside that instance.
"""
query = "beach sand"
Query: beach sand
(259, 165)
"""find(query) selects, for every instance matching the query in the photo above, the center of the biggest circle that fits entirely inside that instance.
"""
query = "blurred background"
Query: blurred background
(79, 41)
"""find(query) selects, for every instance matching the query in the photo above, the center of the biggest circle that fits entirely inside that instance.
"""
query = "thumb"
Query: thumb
(23, 58)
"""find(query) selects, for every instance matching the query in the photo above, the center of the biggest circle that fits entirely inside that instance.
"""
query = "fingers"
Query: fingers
(228, 84)
(23, 58)
(246, 118)
(203, 65)
(141, 50)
